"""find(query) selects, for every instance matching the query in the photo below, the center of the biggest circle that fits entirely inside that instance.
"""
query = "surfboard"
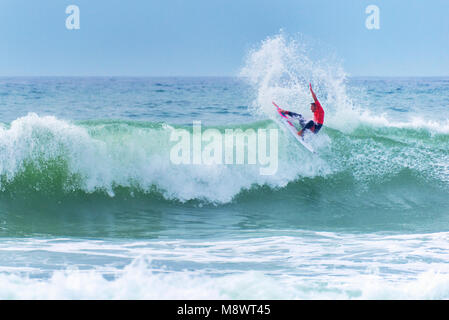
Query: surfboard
(290, 127)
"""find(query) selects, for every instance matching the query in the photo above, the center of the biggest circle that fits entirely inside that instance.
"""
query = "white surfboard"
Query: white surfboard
(290, 127)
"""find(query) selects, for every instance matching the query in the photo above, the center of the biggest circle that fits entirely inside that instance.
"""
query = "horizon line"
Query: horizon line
(202, 76)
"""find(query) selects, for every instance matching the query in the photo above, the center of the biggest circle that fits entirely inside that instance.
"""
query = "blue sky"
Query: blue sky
(212, 37)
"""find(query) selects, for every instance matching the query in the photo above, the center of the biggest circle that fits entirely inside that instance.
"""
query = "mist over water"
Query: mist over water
(88, 191)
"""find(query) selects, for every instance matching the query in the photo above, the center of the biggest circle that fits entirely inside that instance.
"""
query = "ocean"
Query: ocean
(92, 207)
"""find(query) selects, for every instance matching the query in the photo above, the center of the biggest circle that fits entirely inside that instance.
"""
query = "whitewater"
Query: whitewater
(91, 207)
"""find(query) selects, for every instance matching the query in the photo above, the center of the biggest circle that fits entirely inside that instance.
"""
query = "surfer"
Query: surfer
(318, 116)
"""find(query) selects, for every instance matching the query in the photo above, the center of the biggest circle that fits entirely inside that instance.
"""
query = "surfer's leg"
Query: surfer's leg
(309, 125)
(294, 115)
(317, 127)
(298, 117)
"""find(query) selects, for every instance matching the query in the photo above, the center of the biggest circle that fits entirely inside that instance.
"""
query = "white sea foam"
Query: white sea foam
(139, 284)
(280, 70)
(303, 265)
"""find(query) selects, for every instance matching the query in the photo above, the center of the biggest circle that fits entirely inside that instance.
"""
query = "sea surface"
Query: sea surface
(91, 207)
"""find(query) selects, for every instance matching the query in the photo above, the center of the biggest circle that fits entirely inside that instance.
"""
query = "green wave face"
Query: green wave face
(51, 156)
(373, 177)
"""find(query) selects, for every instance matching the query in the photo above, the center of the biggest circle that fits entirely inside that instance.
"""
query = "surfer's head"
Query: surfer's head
(313, 106)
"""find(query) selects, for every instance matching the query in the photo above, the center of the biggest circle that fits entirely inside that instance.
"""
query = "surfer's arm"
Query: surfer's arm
(317, 103)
